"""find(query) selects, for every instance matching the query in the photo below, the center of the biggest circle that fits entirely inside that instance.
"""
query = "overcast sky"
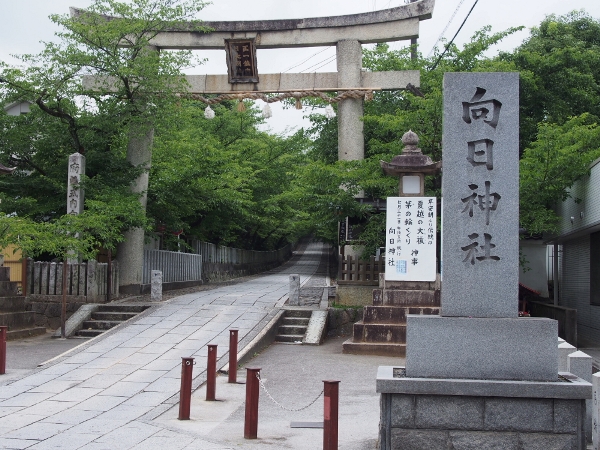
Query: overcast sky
(25, 23)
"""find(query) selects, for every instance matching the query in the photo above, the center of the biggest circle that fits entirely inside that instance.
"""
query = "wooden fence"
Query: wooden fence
(86, 281)
(359, 272)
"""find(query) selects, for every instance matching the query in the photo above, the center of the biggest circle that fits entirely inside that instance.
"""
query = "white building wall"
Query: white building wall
(587, 211)
(536, 255)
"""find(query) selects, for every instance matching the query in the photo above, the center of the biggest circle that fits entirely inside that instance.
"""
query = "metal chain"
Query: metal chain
(279, 404)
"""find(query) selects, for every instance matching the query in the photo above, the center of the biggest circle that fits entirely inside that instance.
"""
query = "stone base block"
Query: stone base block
(482, 348)
(373, 348)
(481, 414)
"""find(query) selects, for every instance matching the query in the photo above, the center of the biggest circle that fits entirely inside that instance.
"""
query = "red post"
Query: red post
(3, 330)
(185, 393)
(251, 416)
(233, 349)
(330, 415)
(211, 373)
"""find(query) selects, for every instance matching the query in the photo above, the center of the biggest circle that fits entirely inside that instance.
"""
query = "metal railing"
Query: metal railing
(175, 266)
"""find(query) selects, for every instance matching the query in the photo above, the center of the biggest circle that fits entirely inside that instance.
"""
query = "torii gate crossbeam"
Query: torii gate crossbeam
(346, 32)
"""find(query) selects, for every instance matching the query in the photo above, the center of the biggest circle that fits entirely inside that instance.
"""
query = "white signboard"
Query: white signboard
(410, 239)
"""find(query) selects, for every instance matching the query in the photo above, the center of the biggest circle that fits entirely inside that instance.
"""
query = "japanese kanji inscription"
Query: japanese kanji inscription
(241, 60)
(410, 239)
(480, 194)
(74, 191)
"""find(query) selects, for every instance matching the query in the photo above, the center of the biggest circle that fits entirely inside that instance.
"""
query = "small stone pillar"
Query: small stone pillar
(156, 286)
(596, 410)
(580, 364)
(294, 299)
(564, 350)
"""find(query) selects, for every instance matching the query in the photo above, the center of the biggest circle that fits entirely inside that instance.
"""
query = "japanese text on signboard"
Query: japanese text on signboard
(410, 239)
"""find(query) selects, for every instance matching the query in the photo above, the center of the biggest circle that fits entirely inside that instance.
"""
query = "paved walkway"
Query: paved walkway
(107, 394)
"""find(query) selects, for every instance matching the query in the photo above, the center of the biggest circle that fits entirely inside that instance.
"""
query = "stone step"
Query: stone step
(100, 324)
(89, 333)
(290, 338)
(386, 333)
(306, 313)
(291, 329)
(120, 316)
(107, 317)
(372, 348)
(124, 308)
(22, 333)
(393, 314)
(8, 288)
(14, 303)
(17, 319)
(297, 321)
(384, 297)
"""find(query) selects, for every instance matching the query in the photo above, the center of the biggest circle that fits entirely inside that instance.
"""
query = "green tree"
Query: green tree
(559, 156)
(387, 117)
(111, 40)
(560, 72)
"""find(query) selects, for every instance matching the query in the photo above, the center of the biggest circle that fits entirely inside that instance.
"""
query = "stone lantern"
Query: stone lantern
(411, 167)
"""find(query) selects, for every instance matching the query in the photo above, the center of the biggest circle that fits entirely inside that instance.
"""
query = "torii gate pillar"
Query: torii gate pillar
(351, 141)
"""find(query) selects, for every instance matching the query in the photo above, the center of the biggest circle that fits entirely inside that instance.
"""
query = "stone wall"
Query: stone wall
(47, 314)
(340, 321)
(354, 295)
(417, 422)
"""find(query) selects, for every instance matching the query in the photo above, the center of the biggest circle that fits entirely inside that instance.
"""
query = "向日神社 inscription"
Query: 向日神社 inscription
(480, 191)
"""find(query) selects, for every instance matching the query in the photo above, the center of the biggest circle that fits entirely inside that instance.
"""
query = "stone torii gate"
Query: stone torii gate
(346, 32)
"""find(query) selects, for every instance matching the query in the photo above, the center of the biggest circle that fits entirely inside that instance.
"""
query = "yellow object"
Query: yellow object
(12, 259)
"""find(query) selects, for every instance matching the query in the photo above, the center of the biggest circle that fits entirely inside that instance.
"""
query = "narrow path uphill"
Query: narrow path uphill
(107, 392)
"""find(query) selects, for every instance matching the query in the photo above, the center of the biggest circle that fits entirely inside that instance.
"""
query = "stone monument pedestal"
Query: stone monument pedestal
(437, 413)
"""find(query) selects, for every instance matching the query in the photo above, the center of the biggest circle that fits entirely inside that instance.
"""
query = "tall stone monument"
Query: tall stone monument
(478, 374)
(74, 191)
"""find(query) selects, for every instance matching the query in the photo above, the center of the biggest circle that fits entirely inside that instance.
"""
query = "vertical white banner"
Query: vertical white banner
(410, 239)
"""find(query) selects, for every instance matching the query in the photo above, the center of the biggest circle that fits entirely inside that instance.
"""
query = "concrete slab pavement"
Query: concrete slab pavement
(108, 393)
(293, 375)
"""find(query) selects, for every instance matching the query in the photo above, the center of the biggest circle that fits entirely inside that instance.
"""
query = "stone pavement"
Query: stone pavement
(107, 393)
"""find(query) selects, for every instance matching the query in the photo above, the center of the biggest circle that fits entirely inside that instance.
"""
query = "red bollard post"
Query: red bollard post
(3, 330)
(251, 416)
(185, 393)
(330, 415)
(211, 373)
(233, 349)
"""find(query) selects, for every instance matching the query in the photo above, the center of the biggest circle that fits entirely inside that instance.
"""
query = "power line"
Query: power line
(450, 43)
(446, 28)
(307, 59)
(325, 61)
(324, 64)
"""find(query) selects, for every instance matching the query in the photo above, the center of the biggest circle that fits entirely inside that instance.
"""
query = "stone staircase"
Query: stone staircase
(107, 317)
(293, 326)
(383, 328)
(13, 310)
